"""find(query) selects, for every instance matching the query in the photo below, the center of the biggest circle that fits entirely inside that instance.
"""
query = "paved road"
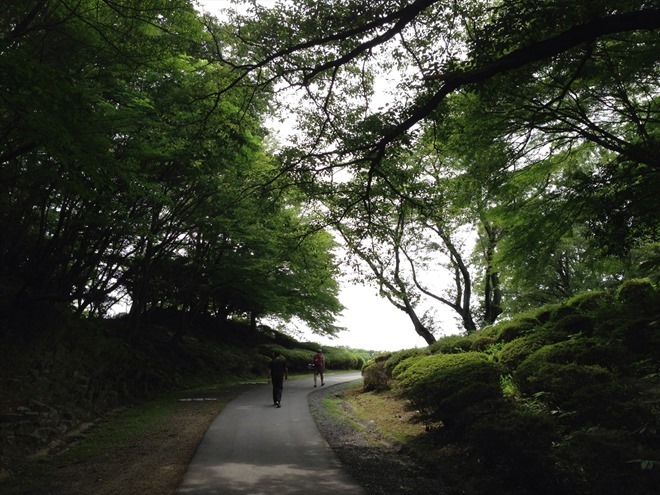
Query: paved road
(257, 449)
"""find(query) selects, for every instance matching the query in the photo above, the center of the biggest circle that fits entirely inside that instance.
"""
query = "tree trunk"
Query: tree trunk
(492, 291)
(421, 330)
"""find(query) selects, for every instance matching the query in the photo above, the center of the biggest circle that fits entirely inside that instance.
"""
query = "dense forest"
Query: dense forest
(169, 174)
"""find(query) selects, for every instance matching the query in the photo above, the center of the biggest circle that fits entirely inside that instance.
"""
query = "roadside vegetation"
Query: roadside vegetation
(87, 377)
(173, 180)
(564, 399)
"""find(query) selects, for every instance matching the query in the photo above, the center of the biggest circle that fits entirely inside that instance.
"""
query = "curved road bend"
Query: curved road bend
(255, 448)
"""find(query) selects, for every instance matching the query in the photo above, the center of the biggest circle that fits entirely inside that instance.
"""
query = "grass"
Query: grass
(122, 430)
(383, 412)
(147, 446)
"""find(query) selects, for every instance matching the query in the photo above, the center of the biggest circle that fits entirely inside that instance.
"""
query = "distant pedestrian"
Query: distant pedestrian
(319, 366)
(277, 373)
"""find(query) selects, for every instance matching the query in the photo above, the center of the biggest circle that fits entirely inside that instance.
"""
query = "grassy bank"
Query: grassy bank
(138, 449)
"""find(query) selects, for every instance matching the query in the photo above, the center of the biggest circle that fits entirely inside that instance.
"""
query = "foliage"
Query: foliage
(640, 295)
(590, 300)
(395, 358)
(509, 330)
(340, 358)
(452, 344)
(516, 443)
(131, 173)
(84, 369)
(572, 395)
(449, 387)
(531, 131)
(375, 377)
(517, 350)
(601, 460)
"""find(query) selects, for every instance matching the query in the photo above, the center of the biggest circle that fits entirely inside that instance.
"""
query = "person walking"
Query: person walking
(277, 373)
(319, 366)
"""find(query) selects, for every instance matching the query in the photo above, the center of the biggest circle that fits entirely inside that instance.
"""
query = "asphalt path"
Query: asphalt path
(255, 448)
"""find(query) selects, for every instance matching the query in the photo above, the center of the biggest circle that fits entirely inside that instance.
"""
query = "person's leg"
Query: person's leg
(316, 372)
(278, 392)
(321, 373)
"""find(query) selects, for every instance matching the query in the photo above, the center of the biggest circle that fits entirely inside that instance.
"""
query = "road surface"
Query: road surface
(255, 448)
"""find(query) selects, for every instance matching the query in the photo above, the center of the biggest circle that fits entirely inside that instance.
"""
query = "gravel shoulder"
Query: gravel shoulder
(381, 467)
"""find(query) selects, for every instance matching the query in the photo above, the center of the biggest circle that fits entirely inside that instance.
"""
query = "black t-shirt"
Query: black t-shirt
(277, 367)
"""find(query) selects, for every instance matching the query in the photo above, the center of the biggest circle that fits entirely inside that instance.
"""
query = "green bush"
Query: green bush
(394, 359)
(449, 387)
(607, 461)
(515, 352)
(601, 306)
(572, 324)
(562, 387)
(545, 313)
(451, 344)
(514, 443)
(339, 358)
(610, 355)
(509, 330)
(639, 335)
(587, 302)
(481, 343)
(405, 364)
(639, 295)
(537, 374)
(375, 377)
(383, 357)
(298, 359)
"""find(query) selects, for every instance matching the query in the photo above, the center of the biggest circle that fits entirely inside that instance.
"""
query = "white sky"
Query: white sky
(371, 322)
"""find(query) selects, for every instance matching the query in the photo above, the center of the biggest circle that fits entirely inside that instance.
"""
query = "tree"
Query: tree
(565, 94)
(127, 171)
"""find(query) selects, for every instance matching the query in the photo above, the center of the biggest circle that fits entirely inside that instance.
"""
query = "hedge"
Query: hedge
(449, 387)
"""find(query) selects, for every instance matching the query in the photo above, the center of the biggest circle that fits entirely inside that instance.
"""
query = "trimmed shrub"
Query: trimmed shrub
(449, 387)
(394, 359)
(515, 328)
(572, 324)
(566, 388)
(610, 355)
(588, 302)
(561, 311)
(383, 357)
(536, 375)
(375, 377)
(405, 364)
(639, 295)
(579, 379)
(515, 352)
(640, 335)
(482, 343)
(515, 444)
(607, 461)
(339, 358)
(297, 359)
(451, 344)
(545, 313)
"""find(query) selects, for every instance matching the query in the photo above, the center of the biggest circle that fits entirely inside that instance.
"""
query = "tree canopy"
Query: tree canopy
(128, 175)
(481, 156)
(535, 123)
